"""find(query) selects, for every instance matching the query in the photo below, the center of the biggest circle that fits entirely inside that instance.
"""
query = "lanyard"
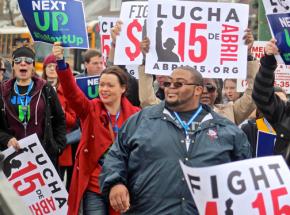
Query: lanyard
(115, 126)
(24, 108)
(186, 125)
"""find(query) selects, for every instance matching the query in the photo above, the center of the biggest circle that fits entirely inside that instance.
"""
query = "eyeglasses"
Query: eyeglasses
(177, 84)
(27, 60)
(210, 88)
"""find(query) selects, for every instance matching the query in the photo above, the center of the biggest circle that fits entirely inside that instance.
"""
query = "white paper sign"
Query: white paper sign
(32, 175)
(204, 35)
(106, 23)
(253, 186)
(133, 15)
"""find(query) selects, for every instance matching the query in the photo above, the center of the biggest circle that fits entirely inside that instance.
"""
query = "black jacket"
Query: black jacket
(276, 111)
(54, 130)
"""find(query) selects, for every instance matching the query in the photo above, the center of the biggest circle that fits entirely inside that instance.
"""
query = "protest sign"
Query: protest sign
(133, 15)
(56, 21)
(253, 186)
(265, 143)
(204, 35)
(89, 85)
(278, 15)
(106, 23)
(34, 178)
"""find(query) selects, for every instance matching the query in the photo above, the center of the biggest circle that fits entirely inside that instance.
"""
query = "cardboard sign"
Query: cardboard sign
(55, 21)
(106, 23)
(34, 178)
(133, 15)
(253, 186)
(204, 35)
(89, 85)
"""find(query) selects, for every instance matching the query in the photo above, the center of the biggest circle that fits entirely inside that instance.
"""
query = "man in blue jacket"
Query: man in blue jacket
(141, 173)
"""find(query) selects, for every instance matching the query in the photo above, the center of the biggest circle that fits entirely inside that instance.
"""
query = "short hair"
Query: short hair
(230, 79)
(90, 53)
(119, 73)
(195, 74)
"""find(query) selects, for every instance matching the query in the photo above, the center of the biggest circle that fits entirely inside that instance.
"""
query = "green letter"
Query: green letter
(58, 17)
(46, 21)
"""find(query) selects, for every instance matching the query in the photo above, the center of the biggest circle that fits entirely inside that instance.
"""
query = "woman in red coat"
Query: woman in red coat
(100, 120)
(65, 160)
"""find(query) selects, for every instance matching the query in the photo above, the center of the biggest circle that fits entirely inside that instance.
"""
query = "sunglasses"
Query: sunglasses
(27, 60)
(177, 84)
(210, 88)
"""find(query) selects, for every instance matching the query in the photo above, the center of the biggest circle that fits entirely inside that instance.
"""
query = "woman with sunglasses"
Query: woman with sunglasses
(29, 105)
(101, 119)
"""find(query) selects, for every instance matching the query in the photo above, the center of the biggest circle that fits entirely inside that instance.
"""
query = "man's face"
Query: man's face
(94, 66)
(185, 97)
(230, 88)
(209, 93)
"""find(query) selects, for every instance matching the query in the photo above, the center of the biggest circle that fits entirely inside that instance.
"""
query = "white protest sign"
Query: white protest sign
(276, 6)
(34, 178)
(257, 51)
(253, 186)
(204, 35)
(133, 15)
(106, 23)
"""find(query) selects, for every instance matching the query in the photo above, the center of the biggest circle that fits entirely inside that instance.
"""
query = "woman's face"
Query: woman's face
(23, 68)
(209, 93)
(110, 89)
(230, 89)
(50, 70)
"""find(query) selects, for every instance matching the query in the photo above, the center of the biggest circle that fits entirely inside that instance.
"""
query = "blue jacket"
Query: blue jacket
(146, 157)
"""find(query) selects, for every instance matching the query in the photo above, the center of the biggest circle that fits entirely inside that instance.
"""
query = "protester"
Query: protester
(142, 174)
(66, 159)
(132, 92)
(100, 120)
(260, 123)
(236, 111)
(230, 90)
(93, 63)
(2, 69)
(29, 105)
(275, 110)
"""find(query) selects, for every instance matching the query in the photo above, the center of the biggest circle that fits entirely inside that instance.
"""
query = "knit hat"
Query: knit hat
(49, 59)
(23, 52)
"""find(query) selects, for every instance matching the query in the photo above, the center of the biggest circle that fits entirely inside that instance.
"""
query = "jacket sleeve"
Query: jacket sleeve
(146, 92)
(245, 105)
(57, 120)
(115, 168)
(75, 97)
(242, 147)
(268, 103)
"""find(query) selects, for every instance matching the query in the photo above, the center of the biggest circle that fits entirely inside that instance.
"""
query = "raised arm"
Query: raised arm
(75, 97)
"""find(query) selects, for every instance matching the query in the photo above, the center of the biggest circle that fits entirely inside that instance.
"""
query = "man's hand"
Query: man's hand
(57, 51)
(119, 198)
(249, 39)
(271, 47)
(14, 143)
(144, 45)
(115, 31)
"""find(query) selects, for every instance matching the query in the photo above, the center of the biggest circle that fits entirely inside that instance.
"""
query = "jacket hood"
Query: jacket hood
(8, 85)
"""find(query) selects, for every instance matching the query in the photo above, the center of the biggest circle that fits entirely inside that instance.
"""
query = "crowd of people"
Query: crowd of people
(134, 134)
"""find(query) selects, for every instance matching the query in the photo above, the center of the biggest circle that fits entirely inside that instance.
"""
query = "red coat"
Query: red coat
(65, 159)
(96, 137)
